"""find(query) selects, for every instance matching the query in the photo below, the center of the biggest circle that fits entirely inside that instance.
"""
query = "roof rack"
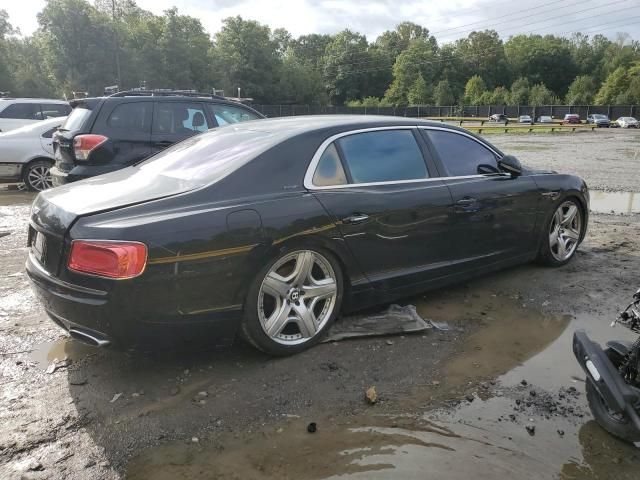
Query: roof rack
(165, 93)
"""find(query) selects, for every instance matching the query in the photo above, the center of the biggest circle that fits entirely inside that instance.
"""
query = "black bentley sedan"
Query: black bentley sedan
(269, 229)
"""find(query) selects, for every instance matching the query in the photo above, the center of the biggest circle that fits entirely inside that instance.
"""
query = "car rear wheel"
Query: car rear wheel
(292, 301)
(563, 234)
(37, 177)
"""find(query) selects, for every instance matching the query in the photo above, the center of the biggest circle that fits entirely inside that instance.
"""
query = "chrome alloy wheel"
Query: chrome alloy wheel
(297, 297)
(39, 178)
(564, 232)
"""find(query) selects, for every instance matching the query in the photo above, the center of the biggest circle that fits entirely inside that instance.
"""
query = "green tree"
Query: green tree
(473, 90)
(519, 94)
(419, 59)
(622, 86)
(298, 84)
(346, 61)
(482, 53)
(248, 58)
(581, 91)
(419, 93)
(540, 95)
(500, 96)
(443, 94)
(542, 59)
(6, 77)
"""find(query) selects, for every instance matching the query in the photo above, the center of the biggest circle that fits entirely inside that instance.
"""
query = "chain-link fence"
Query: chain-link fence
(480, 111)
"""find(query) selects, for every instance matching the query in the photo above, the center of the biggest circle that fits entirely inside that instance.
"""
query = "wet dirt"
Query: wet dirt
(444, 398)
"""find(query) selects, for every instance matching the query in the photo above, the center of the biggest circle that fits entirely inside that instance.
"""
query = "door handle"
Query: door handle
(355, 218)
(466, 201)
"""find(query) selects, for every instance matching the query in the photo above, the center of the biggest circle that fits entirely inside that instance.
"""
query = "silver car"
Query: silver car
(26, 154)
(627, 122)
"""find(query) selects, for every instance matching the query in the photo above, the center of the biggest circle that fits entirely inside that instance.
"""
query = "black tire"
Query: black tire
(545, 253)
(618, 425)
(251, 329)
(32, 176)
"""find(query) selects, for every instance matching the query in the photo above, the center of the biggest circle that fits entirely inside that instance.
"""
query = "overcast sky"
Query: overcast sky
(447, 20)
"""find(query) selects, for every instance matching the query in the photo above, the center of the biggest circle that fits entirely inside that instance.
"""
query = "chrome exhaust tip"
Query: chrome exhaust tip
(88, 338)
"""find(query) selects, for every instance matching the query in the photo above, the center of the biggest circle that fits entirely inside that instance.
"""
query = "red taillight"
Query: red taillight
(83, 145)
(108, 258)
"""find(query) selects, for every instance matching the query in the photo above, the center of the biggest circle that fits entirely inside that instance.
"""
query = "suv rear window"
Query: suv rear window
(76, 119)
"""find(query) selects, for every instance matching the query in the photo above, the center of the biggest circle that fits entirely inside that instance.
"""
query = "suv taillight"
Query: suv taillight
(108, 258)
(83, 145)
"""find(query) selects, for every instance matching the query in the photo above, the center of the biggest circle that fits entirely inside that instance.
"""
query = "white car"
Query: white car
(545, 119)
(26, 154)
(525, 119)
(628, 122)
(18, 112)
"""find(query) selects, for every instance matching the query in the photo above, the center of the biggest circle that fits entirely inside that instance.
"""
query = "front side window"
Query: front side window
(132, 117)
(383, 156)
(460, 154)
(54, 110)
(179, 118)
(22, 111)
(227, 114)
(329, 170)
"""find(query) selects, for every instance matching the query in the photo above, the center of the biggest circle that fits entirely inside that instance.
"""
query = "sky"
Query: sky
(446, 20)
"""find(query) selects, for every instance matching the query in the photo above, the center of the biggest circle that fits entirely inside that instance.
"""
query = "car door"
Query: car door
(391, 212)
(127, 125)
(494, 214)
(175, 121)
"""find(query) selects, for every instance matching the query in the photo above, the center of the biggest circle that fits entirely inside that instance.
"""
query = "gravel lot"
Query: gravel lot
(607, 158)
(445, 398)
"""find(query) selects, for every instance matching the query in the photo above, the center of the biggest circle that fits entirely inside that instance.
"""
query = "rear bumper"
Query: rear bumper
(619, 396)
(115, 319)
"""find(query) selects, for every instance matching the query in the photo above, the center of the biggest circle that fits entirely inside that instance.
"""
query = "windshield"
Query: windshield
(76, 119)
(211, 156)
(600, 117)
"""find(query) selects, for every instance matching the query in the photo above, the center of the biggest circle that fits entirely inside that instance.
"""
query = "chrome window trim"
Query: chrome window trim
(308, 178)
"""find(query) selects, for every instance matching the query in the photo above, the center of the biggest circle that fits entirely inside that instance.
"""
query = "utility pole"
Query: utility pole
(115, 41)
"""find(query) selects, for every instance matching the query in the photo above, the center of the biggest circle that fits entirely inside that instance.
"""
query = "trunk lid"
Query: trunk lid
(54, 211)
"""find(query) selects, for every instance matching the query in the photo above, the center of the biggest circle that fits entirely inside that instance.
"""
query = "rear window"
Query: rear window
(76, 119)
(54, 110)
(22, 111)
(210, 156)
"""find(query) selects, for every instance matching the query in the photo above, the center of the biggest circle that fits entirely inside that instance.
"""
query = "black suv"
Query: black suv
(109, 133)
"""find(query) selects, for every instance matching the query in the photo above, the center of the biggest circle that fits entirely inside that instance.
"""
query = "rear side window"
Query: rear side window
(77, 118)
(49, 133)
(22, 111)
(226, 114)
(329, 170)
(460, 154)
(54, 110)
(179, 118)
(383, 156)
(132, 117)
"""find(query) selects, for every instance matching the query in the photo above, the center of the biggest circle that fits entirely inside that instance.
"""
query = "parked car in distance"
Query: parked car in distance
(545, 119)
(599, 120)
(104, 134)
(525, 119)
(572, 118)
(26, 154)
(268, 229)
(627, 122)
(18, 112)
(499, 117)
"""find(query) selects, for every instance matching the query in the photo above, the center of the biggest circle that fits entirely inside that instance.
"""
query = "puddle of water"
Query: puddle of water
(614, 202)
(46, 352)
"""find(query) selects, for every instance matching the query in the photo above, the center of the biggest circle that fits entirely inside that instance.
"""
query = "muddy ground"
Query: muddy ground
(451, 404)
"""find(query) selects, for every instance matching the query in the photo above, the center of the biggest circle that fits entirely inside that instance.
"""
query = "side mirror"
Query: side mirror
(510, 164)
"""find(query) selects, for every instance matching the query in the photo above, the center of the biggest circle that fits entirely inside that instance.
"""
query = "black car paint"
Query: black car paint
(207, 244)
(123, 148)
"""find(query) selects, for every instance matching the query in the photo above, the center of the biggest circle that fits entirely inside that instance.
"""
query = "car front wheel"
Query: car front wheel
(292, 301)
(37, 176)
(563, 234)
